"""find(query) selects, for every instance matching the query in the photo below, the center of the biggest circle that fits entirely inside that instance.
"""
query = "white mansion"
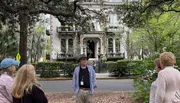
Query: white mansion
(67, 43)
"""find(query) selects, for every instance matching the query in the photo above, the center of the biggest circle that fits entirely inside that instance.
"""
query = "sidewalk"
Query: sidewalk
(99, 76)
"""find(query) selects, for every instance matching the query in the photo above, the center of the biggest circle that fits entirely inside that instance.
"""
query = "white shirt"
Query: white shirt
(168, 83)
(153, 92)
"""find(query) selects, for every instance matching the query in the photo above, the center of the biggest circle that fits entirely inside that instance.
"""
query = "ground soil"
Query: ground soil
(100, 97)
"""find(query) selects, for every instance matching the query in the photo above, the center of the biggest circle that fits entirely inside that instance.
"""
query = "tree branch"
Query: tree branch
(153, 5)
(171, 10)
(7, 8)
(150, 5)
(46, 2)
(55, 13)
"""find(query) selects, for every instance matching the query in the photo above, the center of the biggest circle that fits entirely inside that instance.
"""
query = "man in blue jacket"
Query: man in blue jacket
(84, 81)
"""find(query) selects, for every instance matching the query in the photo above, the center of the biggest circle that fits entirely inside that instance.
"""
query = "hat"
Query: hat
(8, 62)
(83, 56)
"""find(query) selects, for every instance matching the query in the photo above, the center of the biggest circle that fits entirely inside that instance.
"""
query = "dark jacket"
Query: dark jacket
(37, 96)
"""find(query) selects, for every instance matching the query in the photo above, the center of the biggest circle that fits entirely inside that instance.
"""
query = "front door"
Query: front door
(90, 49)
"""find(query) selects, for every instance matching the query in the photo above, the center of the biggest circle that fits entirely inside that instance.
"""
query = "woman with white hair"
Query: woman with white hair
(168, 81)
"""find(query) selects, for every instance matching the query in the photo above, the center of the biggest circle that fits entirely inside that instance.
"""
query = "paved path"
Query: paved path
(103, 85)
(102, 75)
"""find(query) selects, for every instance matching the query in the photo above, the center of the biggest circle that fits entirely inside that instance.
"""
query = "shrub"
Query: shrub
(69, 69)
(49, 69)
(54, 69)
(121, 67)
(145, 76)
(112, 68)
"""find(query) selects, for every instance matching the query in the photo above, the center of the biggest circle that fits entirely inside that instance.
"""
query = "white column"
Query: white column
(114, 45)
(85, 49)
(81, 44)
(101, 46)
(74, 44)
(66, 45)
(123, 44)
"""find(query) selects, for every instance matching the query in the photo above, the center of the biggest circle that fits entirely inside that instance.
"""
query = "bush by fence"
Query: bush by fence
(54, 69)
(143, 72)
(49, 69)
(121, 67)
(145, 75)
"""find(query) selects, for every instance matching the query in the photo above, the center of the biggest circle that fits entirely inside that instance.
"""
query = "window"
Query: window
(110, 45)
(116, 0)
(117, 45)
(63, 45)
(70, 46)
(113, 19)
(88, 0)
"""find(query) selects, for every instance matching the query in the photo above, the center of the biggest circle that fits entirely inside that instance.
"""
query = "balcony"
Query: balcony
(115, 56)
(66, 57)
(65, 29)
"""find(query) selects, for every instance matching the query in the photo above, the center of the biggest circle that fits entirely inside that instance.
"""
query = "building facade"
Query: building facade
(107, 40)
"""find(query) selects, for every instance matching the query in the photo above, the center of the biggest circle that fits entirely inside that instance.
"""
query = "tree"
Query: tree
(136, 14)
(8, 43)
(36, 41)
(24, 11)
(155, 35)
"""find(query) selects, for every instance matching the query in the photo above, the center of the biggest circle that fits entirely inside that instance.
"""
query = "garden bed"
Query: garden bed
(100, 97)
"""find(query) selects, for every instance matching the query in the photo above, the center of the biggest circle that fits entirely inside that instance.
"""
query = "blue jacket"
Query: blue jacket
(92, 77)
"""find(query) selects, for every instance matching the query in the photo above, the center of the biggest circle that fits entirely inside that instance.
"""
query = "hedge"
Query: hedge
(49, 69)
(122, 67)
(54, 69)
(112, 68)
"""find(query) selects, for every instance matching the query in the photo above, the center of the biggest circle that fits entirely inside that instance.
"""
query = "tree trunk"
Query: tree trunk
(32, 45)
(23, 37)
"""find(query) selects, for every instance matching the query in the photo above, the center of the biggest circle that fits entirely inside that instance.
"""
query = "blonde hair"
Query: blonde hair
(24, 81)
(167, 59)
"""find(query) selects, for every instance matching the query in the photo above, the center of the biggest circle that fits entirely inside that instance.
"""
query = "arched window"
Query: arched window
(63, 45)
(70, 46)
(117, 45)
(110, 45)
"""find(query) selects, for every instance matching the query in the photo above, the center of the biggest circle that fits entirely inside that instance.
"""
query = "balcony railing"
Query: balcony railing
(65, 29)
(116, 55)
(66, 57)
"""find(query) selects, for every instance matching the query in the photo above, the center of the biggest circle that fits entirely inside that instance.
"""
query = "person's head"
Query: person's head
(158, 66)
(83, 59)
(24, 81)
(167, 59)
(8, 66)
